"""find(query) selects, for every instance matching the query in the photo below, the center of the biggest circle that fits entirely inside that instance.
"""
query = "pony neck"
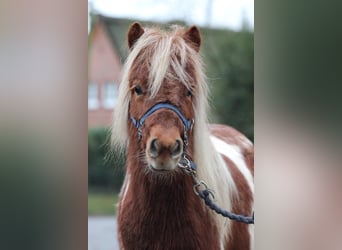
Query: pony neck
(163, 206)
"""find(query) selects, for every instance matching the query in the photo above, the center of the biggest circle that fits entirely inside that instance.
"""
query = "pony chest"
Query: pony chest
(165, 222)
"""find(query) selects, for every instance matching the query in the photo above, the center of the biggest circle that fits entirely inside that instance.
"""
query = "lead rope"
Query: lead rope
(189, 167)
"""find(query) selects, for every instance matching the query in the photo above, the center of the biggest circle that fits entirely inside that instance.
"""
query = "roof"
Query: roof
(117, 30)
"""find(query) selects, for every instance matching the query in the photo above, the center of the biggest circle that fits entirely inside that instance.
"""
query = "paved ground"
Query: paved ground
(102, 233)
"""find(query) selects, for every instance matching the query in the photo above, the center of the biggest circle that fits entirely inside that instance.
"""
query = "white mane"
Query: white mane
(162, 48)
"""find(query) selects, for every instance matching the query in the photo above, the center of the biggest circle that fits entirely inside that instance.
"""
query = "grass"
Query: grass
(102, 203)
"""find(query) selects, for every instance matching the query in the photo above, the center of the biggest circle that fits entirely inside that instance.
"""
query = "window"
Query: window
(109, 95)
(93, 102)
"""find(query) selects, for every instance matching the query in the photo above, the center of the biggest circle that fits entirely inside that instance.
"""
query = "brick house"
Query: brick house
(106, 52)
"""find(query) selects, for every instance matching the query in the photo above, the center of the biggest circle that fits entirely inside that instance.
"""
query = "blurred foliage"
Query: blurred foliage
(229, 61)
(104, 170)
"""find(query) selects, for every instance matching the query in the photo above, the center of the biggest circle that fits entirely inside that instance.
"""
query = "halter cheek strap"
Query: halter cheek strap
(140, 123)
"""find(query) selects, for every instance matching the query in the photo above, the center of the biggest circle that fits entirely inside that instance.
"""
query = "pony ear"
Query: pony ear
(193, 37)
(134, 32)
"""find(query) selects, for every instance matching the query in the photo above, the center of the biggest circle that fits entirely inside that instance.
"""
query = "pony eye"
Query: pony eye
(189, 93)
(138, 90)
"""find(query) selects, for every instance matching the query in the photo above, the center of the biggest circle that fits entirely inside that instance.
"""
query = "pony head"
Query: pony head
(162, 68)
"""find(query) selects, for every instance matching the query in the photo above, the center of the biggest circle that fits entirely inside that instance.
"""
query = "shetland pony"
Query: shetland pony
(158, 208)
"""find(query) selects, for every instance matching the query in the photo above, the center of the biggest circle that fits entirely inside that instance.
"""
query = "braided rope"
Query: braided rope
(205, 195)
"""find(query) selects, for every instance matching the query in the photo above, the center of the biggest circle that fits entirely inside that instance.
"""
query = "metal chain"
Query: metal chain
(201, 189)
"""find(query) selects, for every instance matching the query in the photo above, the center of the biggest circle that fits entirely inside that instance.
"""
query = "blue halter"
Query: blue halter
(140, 123)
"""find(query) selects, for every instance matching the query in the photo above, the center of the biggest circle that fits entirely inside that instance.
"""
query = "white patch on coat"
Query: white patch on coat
(233, 152)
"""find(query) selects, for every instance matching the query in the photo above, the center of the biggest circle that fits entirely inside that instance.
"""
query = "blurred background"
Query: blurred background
(228, 52)
(44, 81)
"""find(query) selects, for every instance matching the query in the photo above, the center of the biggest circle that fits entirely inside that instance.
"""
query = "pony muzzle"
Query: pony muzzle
(164, 149)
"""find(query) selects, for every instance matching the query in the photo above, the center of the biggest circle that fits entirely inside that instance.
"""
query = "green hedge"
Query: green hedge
(229, 59)
(105, 170)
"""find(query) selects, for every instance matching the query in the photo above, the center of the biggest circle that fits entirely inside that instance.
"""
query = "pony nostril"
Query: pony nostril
(154, 148)
(177, 148)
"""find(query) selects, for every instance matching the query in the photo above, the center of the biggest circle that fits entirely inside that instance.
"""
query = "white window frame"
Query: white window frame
(109, 94)
(93, 97)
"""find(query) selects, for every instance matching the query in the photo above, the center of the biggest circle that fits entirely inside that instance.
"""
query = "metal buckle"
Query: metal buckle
(197, 186)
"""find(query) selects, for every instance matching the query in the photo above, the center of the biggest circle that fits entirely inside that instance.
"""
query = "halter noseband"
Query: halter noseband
(139, 124)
